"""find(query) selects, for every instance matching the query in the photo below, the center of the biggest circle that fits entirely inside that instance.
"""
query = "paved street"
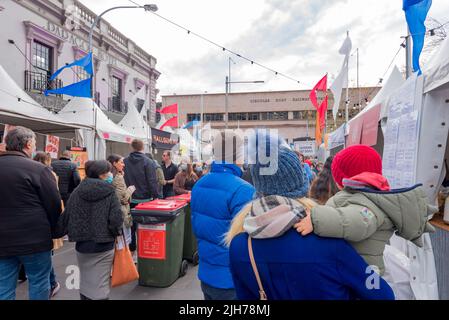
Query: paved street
(185, 288)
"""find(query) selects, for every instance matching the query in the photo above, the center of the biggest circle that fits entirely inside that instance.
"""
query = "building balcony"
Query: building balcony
(37, 82)
(115, 104)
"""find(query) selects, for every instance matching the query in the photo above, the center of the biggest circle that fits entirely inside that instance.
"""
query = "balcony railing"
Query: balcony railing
(115, 104)
(39, 82)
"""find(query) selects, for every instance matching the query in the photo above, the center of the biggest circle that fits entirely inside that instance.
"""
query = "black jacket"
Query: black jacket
(69, 177)
(140, 171)
(93, 213)
(30, 205)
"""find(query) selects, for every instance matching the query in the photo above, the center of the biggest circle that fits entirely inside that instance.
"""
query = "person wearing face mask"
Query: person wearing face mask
(198, 169)
(185, 179)
(123, 193)
(93, 218)
(29, 210)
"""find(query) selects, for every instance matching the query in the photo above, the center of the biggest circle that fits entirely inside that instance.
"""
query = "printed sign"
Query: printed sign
(52, 146)
(307, 148)
(152, 241)
(79, 156)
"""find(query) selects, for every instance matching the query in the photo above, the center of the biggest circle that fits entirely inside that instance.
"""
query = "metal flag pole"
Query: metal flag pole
(347, 87)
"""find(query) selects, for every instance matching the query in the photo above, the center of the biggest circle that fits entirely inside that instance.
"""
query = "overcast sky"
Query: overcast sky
(299, 38)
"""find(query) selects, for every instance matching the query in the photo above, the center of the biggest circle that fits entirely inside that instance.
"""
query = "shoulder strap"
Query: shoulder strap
(262, 294)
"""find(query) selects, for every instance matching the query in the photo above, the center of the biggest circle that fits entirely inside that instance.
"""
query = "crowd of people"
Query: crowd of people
(307, 231)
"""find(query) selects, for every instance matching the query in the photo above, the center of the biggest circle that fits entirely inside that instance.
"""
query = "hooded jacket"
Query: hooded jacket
(93, 213)
(216, 199)
(140, 171)
(368, 217)
(293, 267)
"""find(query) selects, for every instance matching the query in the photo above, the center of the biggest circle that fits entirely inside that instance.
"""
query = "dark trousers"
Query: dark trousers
(211, 293)
(133, 244)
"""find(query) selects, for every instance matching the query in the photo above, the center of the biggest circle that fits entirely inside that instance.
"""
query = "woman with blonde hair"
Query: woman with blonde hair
(270, 260)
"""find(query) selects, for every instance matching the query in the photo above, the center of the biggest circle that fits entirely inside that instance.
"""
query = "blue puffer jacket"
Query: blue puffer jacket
(216, 198)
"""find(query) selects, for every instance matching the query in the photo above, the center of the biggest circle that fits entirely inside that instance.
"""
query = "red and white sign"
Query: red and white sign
(152, 241)
(52, 146)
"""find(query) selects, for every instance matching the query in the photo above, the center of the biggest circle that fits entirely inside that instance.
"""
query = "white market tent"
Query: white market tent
(18, 108)
(134, 123)
(393, 82)
(84, 111)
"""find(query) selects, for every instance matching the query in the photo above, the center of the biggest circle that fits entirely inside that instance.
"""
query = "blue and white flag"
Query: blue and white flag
(191, 124)
(77, 89)
(415, 14)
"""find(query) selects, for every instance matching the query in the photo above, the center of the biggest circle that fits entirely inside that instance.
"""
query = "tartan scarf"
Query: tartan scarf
(272, 216)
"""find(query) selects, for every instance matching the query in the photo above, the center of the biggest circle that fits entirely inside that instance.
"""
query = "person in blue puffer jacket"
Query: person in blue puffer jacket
(216, 198)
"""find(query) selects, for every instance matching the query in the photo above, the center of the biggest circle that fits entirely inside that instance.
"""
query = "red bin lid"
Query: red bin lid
(181, 197)
(161, 205)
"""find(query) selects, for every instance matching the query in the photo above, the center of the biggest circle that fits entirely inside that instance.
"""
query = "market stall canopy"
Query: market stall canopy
(394, 81)
(363, 127)
(436, 73)
(134, 123)
(80, 111)
(18, 108)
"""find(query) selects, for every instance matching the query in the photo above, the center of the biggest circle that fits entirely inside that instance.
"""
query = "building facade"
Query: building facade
(291, 112)
(40, 36)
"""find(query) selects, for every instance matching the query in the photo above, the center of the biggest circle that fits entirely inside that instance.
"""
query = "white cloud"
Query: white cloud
(300, 38)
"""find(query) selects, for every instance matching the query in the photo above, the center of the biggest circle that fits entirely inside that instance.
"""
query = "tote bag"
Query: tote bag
(123, 269)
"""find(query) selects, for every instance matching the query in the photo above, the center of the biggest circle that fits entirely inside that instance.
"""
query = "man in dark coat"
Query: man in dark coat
(67, 172)
(29, 210)
(140, 172)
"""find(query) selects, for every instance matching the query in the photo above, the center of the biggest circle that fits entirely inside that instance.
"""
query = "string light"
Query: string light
(223, 48)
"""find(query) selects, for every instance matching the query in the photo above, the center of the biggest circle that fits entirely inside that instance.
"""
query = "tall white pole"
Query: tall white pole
(201, 128)
(347, 88)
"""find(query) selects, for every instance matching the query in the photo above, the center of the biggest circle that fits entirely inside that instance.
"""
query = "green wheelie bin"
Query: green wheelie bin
(190, 251)
(160, 238)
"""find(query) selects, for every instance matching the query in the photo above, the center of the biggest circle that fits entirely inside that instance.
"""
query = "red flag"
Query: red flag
(172, 122)
(170, 109)
(322, 111)
(322, 86)
(318, 135)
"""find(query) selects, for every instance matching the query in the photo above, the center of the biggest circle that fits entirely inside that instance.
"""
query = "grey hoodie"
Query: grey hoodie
(368, 219)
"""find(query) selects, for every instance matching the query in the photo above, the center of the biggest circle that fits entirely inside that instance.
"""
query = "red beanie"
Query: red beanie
(354, 160)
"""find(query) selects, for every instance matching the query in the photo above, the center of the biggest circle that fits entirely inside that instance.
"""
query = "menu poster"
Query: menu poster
(79, 156)
(401, 138)
(52, 146)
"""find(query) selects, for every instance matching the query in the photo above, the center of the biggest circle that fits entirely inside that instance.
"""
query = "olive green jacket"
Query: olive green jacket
(368, 219)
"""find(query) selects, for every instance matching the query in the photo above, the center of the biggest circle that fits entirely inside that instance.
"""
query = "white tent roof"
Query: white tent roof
(81, 111)
(394, 81)
(18, 108)
(133, 121)
(436, 73)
